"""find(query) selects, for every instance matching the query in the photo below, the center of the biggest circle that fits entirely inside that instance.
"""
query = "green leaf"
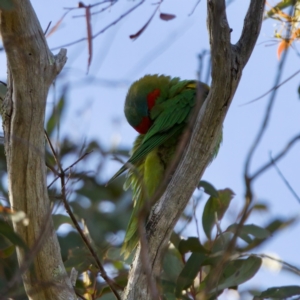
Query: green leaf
(273, 226)
(6, 5)
(239, 271)
(80, 259)
(175, 239)
(168, 288)
(215, 206)
(192, 244)
(221, 242)
(169, 296)
(56, 115)
(256, 231)
(114, 254)
(208, 188)
(172, 265)
(9, 233)
(260, 207)
(236, 272)
(281, 292)
(189, 272)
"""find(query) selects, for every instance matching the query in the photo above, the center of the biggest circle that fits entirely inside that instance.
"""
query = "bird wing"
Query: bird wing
(169, 118)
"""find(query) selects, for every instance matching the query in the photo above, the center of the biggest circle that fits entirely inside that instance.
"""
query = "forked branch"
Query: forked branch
(228, 61)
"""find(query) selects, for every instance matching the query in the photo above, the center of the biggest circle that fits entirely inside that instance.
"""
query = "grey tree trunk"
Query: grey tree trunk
(31, 70)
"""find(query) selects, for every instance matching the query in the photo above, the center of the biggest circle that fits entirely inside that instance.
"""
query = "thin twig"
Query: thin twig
(276, 158)
(45, 32)
(53, 151)
(105, 28)
(273, 88)
(247, 177)
(92, 5)
(194, 8)
(195, 217)
(284, 179)
(103, 273)
(67, 169)
(266, 118)
(78, 160)
(96, 12)
(52, 169)
(62, 176)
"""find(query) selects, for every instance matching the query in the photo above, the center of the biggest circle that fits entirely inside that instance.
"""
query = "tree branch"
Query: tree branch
(251, 29)
(228, 62)
(31, 70)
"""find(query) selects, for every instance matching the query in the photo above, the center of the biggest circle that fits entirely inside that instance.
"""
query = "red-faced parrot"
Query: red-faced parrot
(158, 108)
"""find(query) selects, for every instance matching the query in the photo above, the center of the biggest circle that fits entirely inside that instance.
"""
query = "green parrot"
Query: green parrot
(158, 108)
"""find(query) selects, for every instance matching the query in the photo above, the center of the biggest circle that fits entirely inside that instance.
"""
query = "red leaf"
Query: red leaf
(55, 27)
(283, 45)
(167, 17)
(136, 35)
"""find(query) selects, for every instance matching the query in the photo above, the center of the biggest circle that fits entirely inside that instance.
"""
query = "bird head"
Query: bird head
(141, 98)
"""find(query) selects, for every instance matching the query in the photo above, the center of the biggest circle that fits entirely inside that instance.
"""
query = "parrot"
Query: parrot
(158, 107)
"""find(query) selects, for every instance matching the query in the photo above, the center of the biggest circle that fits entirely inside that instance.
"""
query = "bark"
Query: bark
(228, 62)
(31, 70)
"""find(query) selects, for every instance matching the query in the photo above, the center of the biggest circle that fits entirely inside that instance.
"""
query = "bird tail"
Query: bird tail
(122, 170)
(132, 236)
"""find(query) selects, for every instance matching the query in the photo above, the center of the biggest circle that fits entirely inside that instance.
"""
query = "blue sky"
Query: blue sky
(95, 101)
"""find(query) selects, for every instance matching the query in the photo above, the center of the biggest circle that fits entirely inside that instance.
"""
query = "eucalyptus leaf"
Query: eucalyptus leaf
(237, 272)
(172, 264)
(208, 188)
(256, 231)
(55, 117)
(192, 244)
(215, 206)
(281, 292)
(7, 231)
(189, 272)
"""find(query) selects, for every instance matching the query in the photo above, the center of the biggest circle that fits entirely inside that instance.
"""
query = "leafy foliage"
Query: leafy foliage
(103, 211)
(281, 292)
(287, 13)
(214, 210)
